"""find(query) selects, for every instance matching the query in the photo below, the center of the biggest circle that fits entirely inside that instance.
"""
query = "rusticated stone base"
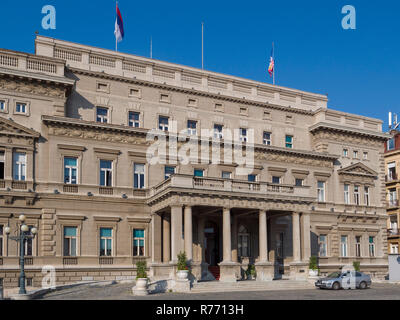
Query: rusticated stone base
(265, 271)
(229, 271)
(298, 271)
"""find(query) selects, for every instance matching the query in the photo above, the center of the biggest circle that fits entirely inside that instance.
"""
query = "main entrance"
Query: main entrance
(212, 244)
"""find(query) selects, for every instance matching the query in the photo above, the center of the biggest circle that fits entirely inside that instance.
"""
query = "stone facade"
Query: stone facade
(92, 106)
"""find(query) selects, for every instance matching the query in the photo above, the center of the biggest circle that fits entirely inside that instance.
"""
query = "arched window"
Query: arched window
(243, 242)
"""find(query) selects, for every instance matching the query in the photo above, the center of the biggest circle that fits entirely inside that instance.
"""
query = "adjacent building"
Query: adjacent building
(392, 167)
(74, 145)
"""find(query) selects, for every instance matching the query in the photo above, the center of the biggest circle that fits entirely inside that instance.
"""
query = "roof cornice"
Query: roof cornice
(353, 131)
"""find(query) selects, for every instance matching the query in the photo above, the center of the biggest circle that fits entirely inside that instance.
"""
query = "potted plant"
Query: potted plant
(313, 267)
(141, 278)
(251, 272)
(183, 269)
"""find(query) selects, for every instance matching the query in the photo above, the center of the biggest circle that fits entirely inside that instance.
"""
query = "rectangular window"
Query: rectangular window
(357, 195)
(390, 144)
(134, 119)
(345, 153)
(106, 242)
(372, 246)
(355, 154)
(343, 246)
(392, 171)
(192, 102)
(366, 196)
(289, 142)
(218, 131)
(226, 175)
(1, 241)
(365, 155)
(2, 165)
(347, 194)
(2, 106)
(323, 245)
(28, 246)
(138, 243)
(358, 246)
(169, 171)
(243, 135)
(192, 127)
(19, 166)
(70, 241)
(20, 108)
(394, 248)
(70, 170)
(321, 191)
(276, 180)
(106, 173)
(252, 178)
(393, 197)
(102, 115)
(163, 123)
(164, 97)
(138, 175)
(199, 173)
(299, 182)
(267, 138)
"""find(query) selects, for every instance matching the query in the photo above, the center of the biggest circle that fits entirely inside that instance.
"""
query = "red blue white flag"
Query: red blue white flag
(271, 66)
(119, 26)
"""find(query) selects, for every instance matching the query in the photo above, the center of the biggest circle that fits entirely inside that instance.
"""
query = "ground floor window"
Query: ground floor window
(70, 240)
(343, 246)
(323, 245)
(105, 242)
(372, 246)
(138, 243)
(358, 246)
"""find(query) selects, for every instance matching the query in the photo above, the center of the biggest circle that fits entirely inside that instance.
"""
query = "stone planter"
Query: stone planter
(182, 274)
(313, 273)
(141, 287)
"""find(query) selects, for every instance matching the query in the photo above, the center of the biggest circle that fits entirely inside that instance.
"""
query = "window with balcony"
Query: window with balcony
(289, 142)
(358, 246)
(267, 138)
(192, 127)
(70, 170)
(168, 172)
(163, 123)
(372, 246)
(276, 180)
(347, 194)
(299, 182)
(70, 241)
(366, 196)
(252, 178)
(226, 175)
(106, 238)
(134, 119)
(218, 131)
(19, 166)
(323, 245)
(102, 115)
(106, 172)
(357, 195)
(391, 144)
(138, 175)
(138, 243)
(199, 173)
(243, 135)
(2, 165)
(321, 191)
(392, 171)
(392, 197)
(343, 246)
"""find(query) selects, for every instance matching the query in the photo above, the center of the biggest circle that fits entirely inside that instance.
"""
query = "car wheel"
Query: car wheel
(336, 286)
(363, 285)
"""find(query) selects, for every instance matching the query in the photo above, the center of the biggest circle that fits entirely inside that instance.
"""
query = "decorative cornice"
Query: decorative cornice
(351, 131)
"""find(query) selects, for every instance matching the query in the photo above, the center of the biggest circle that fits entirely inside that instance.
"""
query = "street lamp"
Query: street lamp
(21, 238)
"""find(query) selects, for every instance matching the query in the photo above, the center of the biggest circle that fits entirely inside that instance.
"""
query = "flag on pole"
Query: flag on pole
(119, 27)
(271, 63)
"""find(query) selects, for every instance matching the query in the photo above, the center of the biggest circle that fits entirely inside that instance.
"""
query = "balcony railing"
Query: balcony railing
(106, 191)
(69, 188)
(391, 177)
(393, 232)
(70, 260)
(19, 185)
(28, 261)
(393, 203)
(218, 184)
(106, 260)
(2, 184)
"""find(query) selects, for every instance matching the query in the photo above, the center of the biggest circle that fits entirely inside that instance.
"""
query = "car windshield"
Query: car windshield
(334, 275)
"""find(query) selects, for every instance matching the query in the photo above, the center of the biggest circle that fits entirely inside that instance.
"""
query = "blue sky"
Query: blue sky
(358, 69)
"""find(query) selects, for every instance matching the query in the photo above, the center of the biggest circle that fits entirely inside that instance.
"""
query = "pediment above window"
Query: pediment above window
(11, 128)
(358, 169)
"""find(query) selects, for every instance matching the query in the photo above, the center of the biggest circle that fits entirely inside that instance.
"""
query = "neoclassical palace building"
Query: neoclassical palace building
(74, 146)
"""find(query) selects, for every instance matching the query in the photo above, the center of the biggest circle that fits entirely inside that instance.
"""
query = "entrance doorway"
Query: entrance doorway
(211, 233)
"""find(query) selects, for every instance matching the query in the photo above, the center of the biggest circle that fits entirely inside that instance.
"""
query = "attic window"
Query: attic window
(192, 102)
(244, 111)
(267, 115)
(134, 92)
(164, 97)
(219, 107)
(103, 87)
(289, 118)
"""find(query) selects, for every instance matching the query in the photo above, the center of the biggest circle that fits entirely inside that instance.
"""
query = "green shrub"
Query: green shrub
(356, 265)
(313, 265)
(182, 261)
(251, 270)
(141, 267)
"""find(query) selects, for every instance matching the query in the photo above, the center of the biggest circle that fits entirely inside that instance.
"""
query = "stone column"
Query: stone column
(226, 231)
(200, 232)
(263, 236)
(306, 237)
(176, 232)
(156, 238)
(188, 233)
(166, 239)
(235, 239)
(296, 236)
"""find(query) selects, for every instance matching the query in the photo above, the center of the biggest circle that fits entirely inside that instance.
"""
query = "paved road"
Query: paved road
(123, 292)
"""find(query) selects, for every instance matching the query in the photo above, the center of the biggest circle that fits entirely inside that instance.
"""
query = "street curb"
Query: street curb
(40, 292)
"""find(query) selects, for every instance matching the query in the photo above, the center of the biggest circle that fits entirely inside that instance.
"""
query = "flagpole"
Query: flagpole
(202, 45)
(151, 47)
(116, 39)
